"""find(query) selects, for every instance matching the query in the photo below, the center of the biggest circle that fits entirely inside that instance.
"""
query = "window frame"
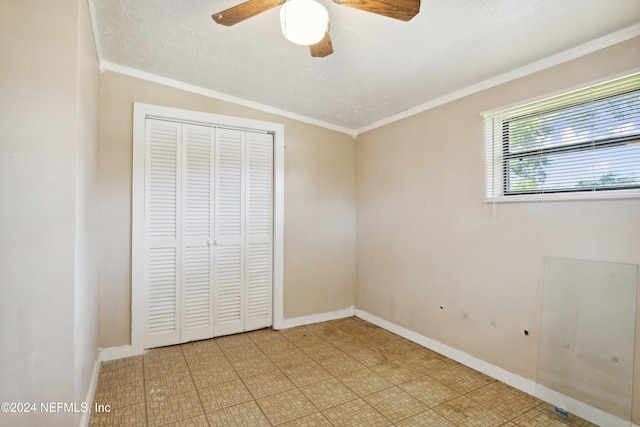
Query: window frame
(498, 152)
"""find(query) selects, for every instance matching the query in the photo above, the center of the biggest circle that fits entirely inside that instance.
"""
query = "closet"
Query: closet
(207, 257)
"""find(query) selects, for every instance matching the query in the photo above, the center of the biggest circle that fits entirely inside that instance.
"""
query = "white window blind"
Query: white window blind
(585, 141)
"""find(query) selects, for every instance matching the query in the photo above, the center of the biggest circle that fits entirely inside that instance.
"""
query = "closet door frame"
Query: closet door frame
(141, 112)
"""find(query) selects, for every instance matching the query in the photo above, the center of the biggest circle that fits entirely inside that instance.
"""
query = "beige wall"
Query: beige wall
(48, 347)
(427, 238)
(320, 221)
(319, 252)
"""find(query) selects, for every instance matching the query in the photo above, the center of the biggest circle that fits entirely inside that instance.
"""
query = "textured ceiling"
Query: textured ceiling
(379, 67)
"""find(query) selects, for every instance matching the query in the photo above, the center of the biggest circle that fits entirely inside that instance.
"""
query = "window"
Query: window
(584, 142)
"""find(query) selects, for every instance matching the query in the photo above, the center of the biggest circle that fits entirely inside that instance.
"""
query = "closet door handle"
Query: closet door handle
(212, 242)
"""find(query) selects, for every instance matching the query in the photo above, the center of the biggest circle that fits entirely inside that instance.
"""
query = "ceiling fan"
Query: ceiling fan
(306, 22)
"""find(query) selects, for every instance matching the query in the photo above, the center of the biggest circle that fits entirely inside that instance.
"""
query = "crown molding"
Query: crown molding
(545, 63)
(548, 62)
(176, 84)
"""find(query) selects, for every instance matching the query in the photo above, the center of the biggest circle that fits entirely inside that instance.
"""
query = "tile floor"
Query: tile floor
(345, 372)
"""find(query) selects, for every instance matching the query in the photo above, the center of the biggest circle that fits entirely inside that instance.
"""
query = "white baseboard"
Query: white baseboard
(91, 392)
(581, 409)
(113, 353)
(317, 318)
(576, 407)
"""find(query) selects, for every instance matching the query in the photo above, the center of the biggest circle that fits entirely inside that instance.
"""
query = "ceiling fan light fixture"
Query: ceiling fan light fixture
(304, 22)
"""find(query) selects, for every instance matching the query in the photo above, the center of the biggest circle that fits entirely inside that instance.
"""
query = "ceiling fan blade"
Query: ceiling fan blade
(245, 10)
(322, 48)
(403, 10)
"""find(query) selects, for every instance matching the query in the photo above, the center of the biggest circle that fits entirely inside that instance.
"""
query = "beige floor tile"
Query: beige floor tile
(396, 347)
(120, 365)
(316, 327)
(328, 393)
(370, 356)
(460, 378)
(286, 406)
(367, 331)
(345, 321)
(429, 391)
(233, 340)
(341, 364)
(101, 420)
(395, 404)
(200, 421)
(162, 367)
(265, 334)
(224, 395)
(217, 374)
(350, 344)
(254, 366)
(161, 387)
(172, 409)
(306, 373)
(428, 418)
(163, 353)
(305, 339)
(120, 396)
(313, 420)
(463, 411)
(364, 382)
(426, 360)
(332, 335)
(503, 400)
(199, 361)
(242, 415)
(343, 373)
(294, 332)
(355, 328)
(355, 413)
(104, 418)
(321, 351)
(276, 345)
(272, 382)
(288, 358)
(198, 347)
(243, 351)
(106, 383)
(134, 415)
(115, 374)
(397, 372)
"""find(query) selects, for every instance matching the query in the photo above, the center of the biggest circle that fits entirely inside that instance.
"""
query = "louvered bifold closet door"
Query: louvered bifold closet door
(229, 231)
(162, 233)
(197, 230)
(259, 226)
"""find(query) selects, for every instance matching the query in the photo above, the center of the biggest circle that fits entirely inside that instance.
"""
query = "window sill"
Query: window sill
(581, 196)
